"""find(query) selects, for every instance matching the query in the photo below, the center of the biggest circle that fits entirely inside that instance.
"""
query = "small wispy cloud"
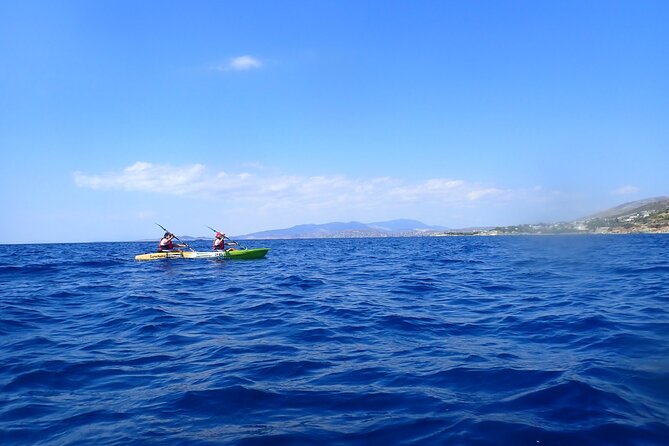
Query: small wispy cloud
(239, 63)
(289, 191)
(146, 215)
(625, 190)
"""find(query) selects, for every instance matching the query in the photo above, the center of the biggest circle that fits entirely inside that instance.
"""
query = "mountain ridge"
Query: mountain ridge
(648, 215)
(345, 230)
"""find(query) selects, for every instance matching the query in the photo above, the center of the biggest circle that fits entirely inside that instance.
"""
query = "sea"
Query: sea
(512, 340)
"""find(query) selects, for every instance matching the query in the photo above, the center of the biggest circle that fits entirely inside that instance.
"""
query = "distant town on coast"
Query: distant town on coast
(648, 216)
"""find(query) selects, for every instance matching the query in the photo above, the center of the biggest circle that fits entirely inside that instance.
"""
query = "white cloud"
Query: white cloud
(240, 63)
(625, 190)
(481, 193)
(254, 165)
(148, 177)
(290, 191)
(445, 191)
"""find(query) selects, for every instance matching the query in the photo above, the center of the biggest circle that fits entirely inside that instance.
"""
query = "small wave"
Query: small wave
(414, 287)
(228, 400)
(294, 281)
(519, 432)
(635, 271)
(29, 269)
(568, 402)
(405, 323)
(36, 379)
(97, 264)
(496, 380)
(288, 369)
(498, 288)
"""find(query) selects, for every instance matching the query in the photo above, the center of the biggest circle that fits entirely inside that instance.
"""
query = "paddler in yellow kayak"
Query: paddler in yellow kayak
(166, 244)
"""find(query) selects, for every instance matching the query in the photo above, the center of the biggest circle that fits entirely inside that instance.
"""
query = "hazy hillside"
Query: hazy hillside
(648, 204)
(650, 215)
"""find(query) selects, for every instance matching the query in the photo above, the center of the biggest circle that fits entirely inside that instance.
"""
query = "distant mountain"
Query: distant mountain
(402, 225)
(345, 230)
(190, 238)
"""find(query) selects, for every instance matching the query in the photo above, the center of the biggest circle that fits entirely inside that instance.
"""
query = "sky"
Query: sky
(257, 115)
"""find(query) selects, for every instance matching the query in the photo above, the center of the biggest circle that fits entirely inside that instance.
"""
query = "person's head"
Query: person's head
(219, 235)
(167, 234)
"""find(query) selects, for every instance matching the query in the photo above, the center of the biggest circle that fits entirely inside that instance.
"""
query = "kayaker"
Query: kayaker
(166, 243)
(219, 243)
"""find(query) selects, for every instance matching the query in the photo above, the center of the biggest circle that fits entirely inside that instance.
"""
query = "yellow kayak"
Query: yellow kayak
(161, 255)
(256, 253)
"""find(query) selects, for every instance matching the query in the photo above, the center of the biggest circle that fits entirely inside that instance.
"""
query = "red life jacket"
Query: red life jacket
(220, 245)
(165, 247)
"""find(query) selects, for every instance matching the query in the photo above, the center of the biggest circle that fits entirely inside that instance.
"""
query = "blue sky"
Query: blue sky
(262, 114)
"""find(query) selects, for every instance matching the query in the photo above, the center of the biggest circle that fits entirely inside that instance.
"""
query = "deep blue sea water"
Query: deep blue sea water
(554, 340)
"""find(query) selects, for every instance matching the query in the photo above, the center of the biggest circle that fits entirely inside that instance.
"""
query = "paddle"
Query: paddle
(178, 239)
(233, 241)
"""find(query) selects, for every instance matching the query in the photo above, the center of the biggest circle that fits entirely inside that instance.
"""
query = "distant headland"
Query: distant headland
(648, 216)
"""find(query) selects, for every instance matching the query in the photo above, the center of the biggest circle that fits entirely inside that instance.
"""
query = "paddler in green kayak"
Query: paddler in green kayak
(219, 243)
